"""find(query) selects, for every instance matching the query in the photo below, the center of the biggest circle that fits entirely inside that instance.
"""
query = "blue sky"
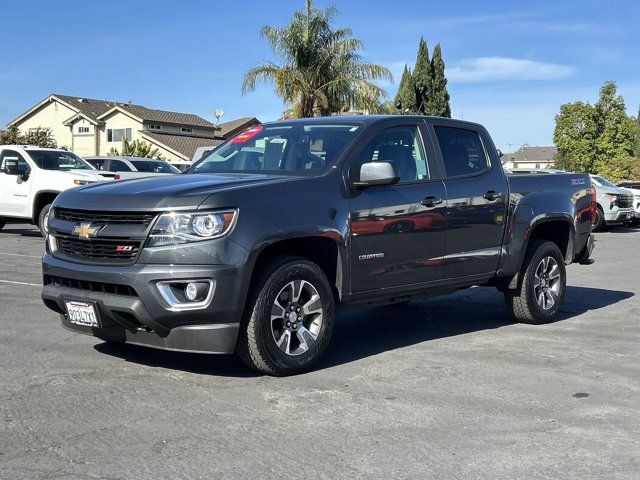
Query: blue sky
(510, 64)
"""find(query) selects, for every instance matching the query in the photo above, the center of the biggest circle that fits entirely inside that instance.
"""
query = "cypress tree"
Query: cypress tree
(439, 98)
(406, 95)
(422, 79)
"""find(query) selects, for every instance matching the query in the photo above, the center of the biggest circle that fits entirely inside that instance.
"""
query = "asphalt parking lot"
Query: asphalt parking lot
(442, 388)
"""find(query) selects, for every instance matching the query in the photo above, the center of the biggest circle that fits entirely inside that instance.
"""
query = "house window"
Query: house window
(186, 130)
(117, 134)
(83, 129)
(155, 127)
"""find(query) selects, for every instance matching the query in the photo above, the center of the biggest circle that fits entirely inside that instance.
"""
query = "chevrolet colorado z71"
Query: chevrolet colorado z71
(253, 248)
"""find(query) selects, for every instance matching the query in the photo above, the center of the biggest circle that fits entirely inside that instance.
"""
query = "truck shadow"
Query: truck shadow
(22, 230)
(363, 332)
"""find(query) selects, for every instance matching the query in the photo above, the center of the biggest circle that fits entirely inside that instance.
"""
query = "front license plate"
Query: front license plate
(82, 313)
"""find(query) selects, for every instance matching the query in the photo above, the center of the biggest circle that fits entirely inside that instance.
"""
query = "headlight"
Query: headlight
(610, 196)
(177, 227)
(82, 182)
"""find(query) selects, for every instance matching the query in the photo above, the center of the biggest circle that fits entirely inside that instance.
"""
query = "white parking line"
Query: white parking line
(21, 283)
(20, 255)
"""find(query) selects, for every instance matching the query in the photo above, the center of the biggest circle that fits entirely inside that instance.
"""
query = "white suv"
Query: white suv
(31, 177)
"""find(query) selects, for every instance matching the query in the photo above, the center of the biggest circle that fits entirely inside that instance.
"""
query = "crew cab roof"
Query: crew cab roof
(371, 120)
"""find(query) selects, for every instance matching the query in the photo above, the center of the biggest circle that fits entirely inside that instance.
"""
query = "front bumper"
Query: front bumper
(132, 310)
(619, 216)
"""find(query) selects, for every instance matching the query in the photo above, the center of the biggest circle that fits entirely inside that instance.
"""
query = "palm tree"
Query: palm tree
(321, 71)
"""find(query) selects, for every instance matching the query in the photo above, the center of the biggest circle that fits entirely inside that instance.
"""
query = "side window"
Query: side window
(119, 166)
(401, 146)
(462, 151)
(97, 162)
(12, 155)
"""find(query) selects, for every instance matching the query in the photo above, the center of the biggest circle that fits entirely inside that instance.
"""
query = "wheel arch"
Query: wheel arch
(42, 198)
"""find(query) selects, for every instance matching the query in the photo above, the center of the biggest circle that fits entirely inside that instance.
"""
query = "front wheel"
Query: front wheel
(43, 219)
(541, 291)
(598, 224)
(289, 317)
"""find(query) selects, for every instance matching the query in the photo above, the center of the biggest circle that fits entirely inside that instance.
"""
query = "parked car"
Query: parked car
(202, 152)
(32, 177)
(634, 188)
(253, 248)
(132, 167)
(615, 204)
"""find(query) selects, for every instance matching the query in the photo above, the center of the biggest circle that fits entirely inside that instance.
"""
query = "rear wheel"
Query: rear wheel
(598, 224)
(543, 280)
(43, 218)
(289, 317)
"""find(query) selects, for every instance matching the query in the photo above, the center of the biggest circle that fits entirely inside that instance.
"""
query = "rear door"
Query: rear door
(15, 193)
(476, 200)
(397, 231)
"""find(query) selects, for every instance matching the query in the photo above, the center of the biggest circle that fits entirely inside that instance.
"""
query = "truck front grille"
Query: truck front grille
(99, 287)
(624, 201)
(125, 250)
(81, 216)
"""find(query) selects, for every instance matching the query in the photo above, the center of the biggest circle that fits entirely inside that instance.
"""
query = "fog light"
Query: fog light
(191, 291)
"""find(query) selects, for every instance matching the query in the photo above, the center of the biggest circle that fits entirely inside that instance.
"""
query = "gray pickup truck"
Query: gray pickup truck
(252, 249)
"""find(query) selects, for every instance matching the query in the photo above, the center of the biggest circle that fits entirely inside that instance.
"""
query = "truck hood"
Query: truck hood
(159, 193)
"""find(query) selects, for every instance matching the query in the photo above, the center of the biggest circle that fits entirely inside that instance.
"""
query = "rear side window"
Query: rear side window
(118, 166)
(96, 162)
(462, 151)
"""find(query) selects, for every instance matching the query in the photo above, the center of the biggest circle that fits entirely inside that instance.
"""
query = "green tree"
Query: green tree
(406, 96)
(136, 148)
(321, 70)
(575, 136)
(621, 168)
(616, 131)
(40, 137)
(439, 101)
(422, 79)
(637, 139)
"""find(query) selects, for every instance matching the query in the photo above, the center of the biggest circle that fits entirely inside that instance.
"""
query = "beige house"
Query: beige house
(93, 127)
(530, 157)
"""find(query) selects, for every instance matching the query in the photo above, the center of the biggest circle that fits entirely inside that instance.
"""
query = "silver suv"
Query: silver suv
(615, 204)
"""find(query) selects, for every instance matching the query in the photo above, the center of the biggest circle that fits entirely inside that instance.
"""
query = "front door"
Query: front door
(476, 203)
(14, 190)
(397, 231)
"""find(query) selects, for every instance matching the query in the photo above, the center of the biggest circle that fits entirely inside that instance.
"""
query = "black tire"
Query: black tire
(41, 219)
(256, 344)
(523, 303)
(598, 225)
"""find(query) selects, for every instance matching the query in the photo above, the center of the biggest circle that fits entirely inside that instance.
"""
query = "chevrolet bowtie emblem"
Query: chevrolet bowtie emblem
(85, 230)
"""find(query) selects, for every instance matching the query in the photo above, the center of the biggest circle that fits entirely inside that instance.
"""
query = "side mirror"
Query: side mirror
(377, 173)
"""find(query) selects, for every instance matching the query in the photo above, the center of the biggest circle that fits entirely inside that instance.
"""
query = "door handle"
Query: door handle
(492, 195)
(431, 201)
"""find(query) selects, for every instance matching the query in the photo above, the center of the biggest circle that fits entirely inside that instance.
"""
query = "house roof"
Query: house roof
(93, 110)
(532, 154)
(161, 116)
(183, 145)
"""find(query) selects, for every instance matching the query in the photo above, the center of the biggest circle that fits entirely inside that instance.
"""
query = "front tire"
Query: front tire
(542, 285)
(598, 225)
(289, 317)
(43, 217)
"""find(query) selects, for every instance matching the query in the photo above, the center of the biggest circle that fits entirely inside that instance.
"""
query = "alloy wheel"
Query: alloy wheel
(547, 283)
(296, 317)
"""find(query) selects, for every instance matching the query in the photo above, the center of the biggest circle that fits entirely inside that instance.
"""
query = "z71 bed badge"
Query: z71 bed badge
(577, 181)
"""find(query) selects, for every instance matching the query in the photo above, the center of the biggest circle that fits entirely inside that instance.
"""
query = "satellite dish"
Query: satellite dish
(218, 113)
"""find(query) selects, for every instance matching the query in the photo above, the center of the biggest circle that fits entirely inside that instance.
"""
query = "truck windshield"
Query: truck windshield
(603, 182)
(296, 148)
(57, 160)
(153, 167)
